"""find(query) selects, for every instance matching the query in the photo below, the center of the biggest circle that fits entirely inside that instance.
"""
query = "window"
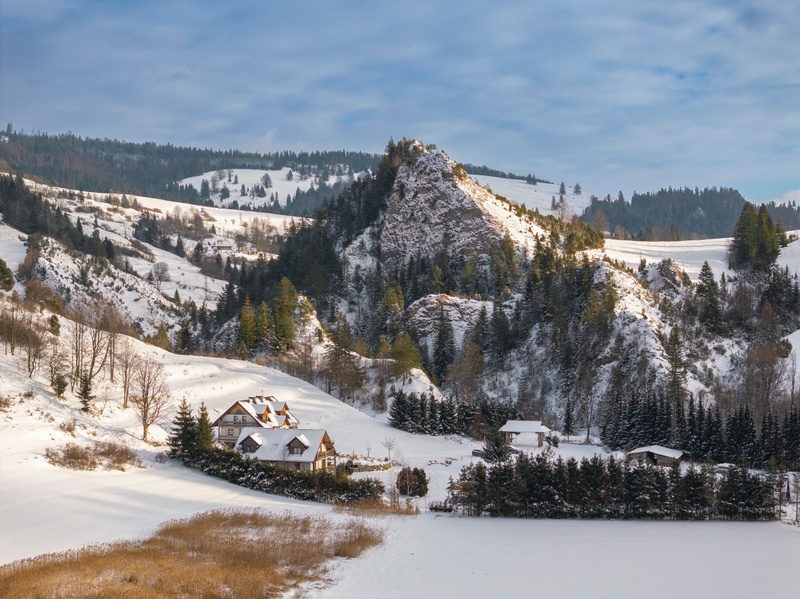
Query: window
(230, 432)
(296, 449)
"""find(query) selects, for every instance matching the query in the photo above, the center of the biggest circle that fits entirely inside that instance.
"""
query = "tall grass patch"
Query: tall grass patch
(222, 553)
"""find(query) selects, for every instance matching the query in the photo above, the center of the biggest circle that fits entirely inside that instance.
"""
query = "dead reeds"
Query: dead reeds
(114, 456)
(222, 553)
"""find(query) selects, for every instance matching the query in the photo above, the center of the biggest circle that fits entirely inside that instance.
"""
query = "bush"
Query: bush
(412, 482)
(76, 457)
(72, 456)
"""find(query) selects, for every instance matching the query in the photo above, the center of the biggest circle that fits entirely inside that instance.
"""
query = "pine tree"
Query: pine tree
(184, 434)
(569, 424)
(707, 289)
(444, 347)
(205, 432)
(248, 329)
(6, 276)
(283, 311)
(85, 392)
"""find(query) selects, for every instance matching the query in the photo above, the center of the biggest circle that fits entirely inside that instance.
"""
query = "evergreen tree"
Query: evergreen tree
(707, 289)
(184, 434)
(248, 329)
(569, 424)
(444, 347)
(205, 432)
(283, 308)
(85, 392)
(6, 276)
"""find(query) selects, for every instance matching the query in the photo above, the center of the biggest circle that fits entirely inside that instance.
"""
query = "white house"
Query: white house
(512, 428)
(257, 412)
(300, 449)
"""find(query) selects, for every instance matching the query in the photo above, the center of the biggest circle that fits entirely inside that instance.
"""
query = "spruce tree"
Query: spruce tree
(85, 392)
(707, 289)
(444, 347)
(248, 329)
(569, 424)
(205, 432)
(184, 434)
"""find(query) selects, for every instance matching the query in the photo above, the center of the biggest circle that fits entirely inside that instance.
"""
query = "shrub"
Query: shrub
(412, 482)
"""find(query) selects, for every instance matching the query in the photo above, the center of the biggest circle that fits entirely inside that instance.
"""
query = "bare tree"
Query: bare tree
(389, 443)
(33, 344)
(151, 396)
(126, 362)
(160, 274)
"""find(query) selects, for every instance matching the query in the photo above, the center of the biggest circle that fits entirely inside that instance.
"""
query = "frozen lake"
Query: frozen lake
(443, 557)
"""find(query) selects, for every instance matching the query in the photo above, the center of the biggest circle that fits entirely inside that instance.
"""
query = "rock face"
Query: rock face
(434, 206)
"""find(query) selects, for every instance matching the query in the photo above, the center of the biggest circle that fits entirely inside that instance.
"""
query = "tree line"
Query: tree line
(423, 414)
(703, 431)
(72, 161)
(538, 486)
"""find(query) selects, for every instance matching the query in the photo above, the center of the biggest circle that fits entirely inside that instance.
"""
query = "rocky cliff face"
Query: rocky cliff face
(435, 206)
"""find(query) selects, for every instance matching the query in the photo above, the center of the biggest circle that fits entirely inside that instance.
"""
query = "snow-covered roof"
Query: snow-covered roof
(267, 413)
(274, 443)
(524, 426)
(658, 449)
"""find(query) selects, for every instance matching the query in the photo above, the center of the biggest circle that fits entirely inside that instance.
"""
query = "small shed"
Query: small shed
(656, 454)
(512, 428)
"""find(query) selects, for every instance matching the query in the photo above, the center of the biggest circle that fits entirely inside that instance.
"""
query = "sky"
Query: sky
(622, 95)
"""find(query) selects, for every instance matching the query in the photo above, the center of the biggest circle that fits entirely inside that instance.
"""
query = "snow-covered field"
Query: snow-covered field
(539, 196)
(281, 184)
(461, 558)
(689, 255)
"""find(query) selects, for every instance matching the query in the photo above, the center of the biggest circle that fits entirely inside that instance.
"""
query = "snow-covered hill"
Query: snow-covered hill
(535, 197)
(282, 183)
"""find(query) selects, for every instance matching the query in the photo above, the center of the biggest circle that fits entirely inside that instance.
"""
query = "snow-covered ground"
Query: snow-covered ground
(539, 196)
(461, 558)
(280, 181)
(689, 255)
(12, 248)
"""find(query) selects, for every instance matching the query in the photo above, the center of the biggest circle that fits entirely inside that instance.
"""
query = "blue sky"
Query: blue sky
(618, 95)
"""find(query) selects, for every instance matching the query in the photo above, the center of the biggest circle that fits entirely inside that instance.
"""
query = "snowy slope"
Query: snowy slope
(535, 197)
(12, 248)
(689, 255)
(282, 184)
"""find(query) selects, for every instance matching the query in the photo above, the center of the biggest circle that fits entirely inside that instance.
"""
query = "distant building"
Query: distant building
(512, 428)
(656, 454)
(298, 449)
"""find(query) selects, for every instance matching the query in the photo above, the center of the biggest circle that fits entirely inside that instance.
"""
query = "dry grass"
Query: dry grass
(76, 457)
(379, 506)
(222, 553)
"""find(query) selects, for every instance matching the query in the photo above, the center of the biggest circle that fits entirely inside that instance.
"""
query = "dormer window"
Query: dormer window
(296, 449)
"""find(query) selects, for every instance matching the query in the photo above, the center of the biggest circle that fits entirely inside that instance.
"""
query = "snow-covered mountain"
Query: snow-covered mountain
(434, 206)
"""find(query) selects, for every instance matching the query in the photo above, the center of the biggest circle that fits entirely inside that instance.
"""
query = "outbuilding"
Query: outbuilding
(512, 428)
(656, 454)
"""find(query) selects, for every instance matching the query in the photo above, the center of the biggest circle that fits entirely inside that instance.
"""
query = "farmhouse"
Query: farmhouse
(656, 454)
(256, 412)
(512, 428)
(300, 449)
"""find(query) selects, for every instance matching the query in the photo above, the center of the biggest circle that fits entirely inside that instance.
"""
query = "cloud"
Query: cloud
(619, 95)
